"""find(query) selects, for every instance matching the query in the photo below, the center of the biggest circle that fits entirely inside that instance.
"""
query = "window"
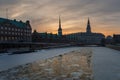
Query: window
(1, 27)
(9, 38)
(5, 28)
(18, 29)
(9, 28)
(5, 32)
(8, 32)
(2, 39)
(5, 38)
(12, 29)
(1, 32)
(12, 38)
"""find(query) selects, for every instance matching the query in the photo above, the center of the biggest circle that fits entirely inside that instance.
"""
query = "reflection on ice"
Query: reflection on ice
(75, 65)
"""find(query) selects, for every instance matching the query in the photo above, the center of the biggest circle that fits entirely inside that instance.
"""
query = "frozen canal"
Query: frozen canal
(9, 61)
(105, 61)
(106, 64)
(74, 65)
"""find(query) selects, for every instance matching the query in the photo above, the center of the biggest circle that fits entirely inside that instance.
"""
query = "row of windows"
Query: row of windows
(14, 33)
(14, 29)
(13, 38)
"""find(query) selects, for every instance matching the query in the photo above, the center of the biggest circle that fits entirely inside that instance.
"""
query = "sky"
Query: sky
(104, 15)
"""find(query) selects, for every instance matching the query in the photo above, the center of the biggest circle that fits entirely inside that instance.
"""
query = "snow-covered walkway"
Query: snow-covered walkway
(106, 64)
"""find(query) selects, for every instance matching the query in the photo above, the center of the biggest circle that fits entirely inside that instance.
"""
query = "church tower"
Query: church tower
(59, 29)
(88, 29)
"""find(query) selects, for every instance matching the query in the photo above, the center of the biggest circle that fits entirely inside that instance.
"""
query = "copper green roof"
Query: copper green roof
(13, 22)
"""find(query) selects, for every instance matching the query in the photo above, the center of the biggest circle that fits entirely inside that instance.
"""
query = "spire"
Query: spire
(88, 21)
(88, 29)
(59, 22)
(60, 28)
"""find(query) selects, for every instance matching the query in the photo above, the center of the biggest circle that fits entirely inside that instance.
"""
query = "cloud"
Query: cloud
(8, 2)
(43, 14)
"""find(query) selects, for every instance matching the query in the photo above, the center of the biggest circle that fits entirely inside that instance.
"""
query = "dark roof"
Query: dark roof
(14, 22)
(87, 34)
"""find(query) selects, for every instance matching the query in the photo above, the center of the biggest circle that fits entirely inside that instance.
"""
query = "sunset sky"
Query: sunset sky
(43, 14)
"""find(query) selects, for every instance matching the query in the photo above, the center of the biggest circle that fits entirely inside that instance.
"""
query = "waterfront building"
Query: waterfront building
(116, 38)
(14, 31)
(49, 37)
(44, 37)
(87, 37)
(109, 40)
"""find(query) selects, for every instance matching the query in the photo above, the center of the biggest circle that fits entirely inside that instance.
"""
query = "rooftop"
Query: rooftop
(13, 22)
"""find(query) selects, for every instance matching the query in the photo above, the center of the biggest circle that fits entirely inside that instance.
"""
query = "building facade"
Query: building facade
(116, 38)
(44, 37)
(87, 37)
(14, 31)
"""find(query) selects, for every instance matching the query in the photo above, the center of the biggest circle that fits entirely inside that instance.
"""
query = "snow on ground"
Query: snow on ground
(9, 61)
(106, 64)
(74, 65)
